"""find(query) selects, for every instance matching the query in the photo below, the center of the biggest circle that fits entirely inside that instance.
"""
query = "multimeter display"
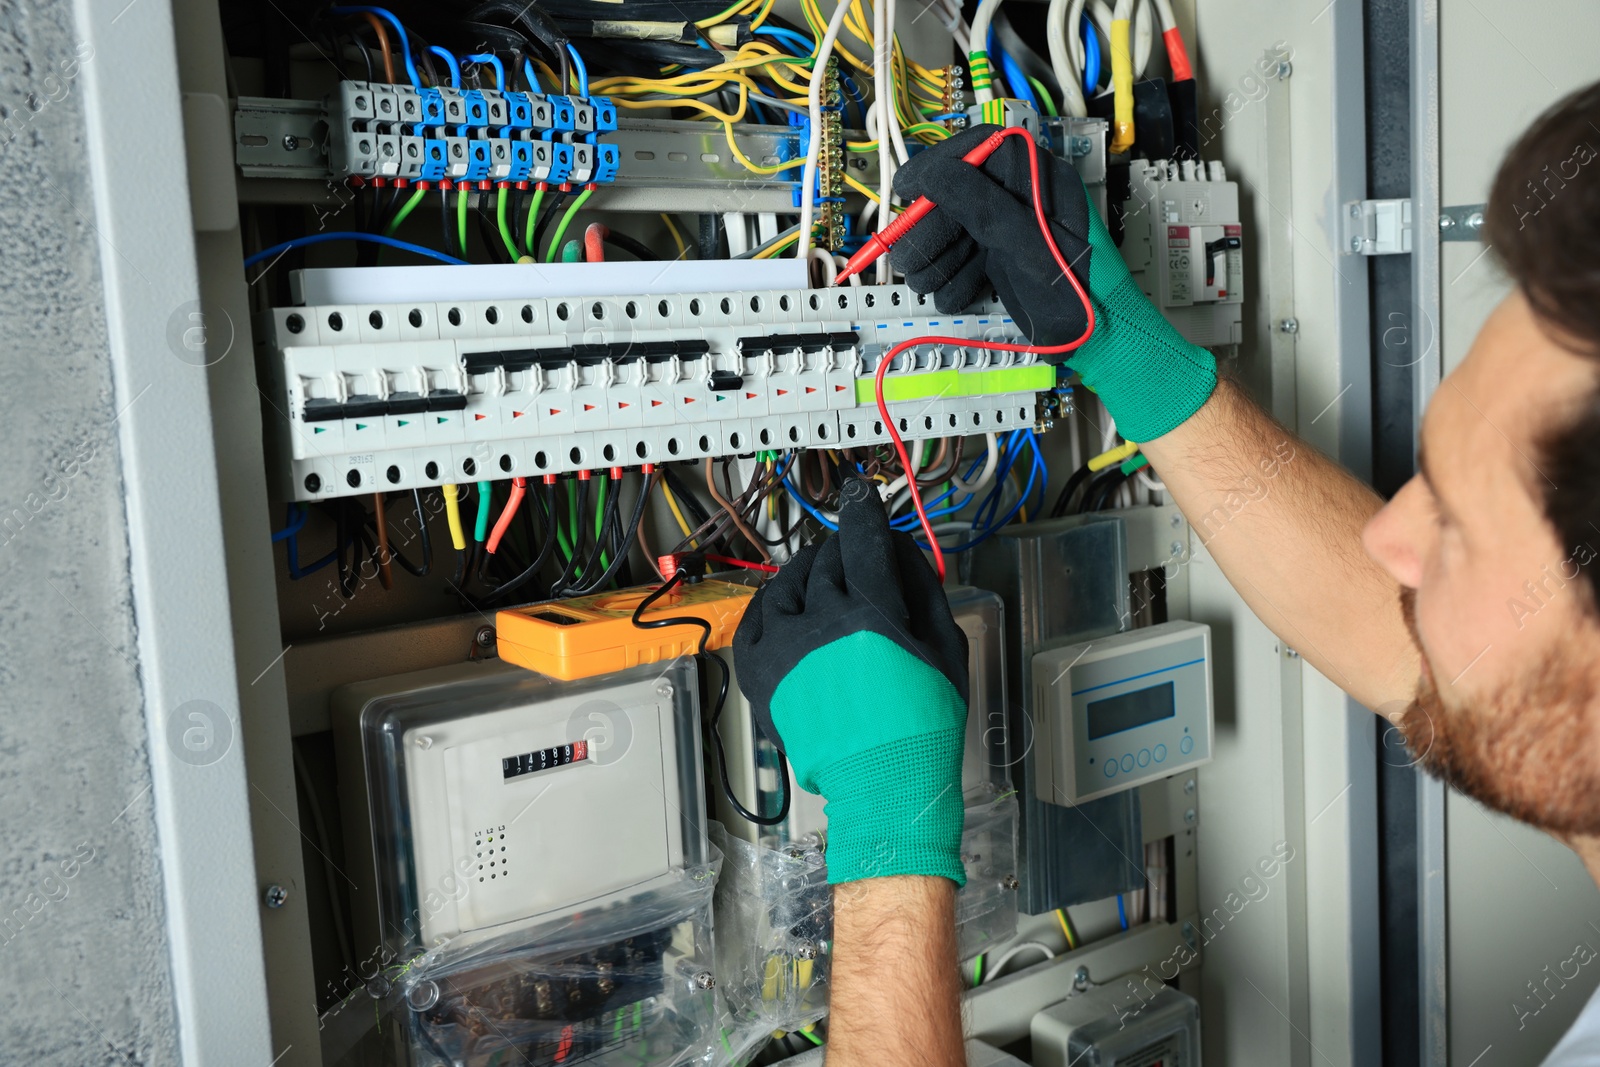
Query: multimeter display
(1138, 708)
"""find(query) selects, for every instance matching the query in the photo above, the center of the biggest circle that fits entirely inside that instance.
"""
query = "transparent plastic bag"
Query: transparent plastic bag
(774, 912)
(624, 979)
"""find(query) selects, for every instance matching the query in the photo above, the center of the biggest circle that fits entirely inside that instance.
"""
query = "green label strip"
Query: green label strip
(952, 383)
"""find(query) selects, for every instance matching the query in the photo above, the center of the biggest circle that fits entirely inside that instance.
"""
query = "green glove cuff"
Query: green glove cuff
(897, 810)
(1148, 376)
(879, 733)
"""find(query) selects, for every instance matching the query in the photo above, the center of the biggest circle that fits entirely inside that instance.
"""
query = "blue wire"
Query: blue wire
(1091, 57)
(455, 68)
(950, 115)
(583, 71)
(297, 519)
(855, 94)
(804, 45)
(1016, 81)
(405, 42)
(346, 235)
(527, 72)
(493, 61)
(1122, 912)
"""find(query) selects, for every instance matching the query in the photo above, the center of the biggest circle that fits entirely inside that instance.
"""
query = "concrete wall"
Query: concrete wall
(83, 955)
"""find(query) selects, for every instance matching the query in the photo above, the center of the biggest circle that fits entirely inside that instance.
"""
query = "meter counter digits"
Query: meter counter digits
(1120, 711)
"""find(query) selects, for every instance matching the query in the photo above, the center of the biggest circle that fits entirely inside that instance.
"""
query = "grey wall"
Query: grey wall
(83, 957)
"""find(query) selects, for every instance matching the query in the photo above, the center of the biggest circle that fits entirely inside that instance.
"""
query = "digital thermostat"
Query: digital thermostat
(1120, 711)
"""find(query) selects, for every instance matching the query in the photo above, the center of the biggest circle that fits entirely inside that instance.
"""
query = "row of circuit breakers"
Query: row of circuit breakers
(541, 878)
(401, 396)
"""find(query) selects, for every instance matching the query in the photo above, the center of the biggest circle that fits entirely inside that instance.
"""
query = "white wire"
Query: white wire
(989, 463)
(824, 259)
(808, 176)
(1150, 481)
(1005, 957)
(882, 50)
(978, 41)
(1055, 24)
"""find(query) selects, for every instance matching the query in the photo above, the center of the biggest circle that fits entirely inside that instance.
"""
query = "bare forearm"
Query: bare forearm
(1284, 523)
(896, 997)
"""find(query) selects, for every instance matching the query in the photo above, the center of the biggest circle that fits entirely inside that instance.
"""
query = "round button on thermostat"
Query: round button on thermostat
(1186, 746)
(1144, 757)
(1160, 753)
(1111, 768)
(1127, 763)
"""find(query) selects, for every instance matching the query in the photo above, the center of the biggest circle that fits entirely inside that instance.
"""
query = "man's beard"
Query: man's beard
(1525, 749)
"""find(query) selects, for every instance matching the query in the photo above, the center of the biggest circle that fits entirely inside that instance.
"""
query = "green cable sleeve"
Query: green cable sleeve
(533, 217)
(572, 252)
(405, 210)
(461, 220)
(1133, 463)
(505, 231)
(481, 531)
(561, 227)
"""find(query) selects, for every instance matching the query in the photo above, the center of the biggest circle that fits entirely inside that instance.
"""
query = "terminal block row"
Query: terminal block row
(395, 132)
(387, 397)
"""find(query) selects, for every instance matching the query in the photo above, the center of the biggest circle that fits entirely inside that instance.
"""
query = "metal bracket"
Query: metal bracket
(1461, 223)
(1377, 227)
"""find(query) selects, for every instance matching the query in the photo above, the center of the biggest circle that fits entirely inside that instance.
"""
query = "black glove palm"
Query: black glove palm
(984, 232)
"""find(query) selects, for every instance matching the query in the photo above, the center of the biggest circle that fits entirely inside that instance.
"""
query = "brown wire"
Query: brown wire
(941, 470)
(722, 502)
(820, 493)
(383, 46)
(385, 568)
(644, 545)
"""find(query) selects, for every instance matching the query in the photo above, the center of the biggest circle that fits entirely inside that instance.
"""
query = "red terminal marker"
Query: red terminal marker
(879, 243)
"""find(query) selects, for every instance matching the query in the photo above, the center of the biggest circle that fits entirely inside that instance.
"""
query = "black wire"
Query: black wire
(489, 230)
(445, 220)
(715, 717)
(548, 212)
(1063, 501)
(1102, 489)
(546, 546)
(618, 540)
(635, 248)
(579, 506)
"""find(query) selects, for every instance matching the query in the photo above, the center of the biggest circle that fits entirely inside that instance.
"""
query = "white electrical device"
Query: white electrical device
(1184, 245)
(1124, 1023)
(1119, 711)
(483, 794)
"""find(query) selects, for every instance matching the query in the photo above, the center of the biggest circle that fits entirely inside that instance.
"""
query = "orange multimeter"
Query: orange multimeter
(595, 634)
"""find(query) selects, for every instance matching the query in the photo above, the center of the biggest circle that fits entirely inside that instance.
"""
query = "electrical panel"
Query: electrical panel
(1184, 244)
(402, 396)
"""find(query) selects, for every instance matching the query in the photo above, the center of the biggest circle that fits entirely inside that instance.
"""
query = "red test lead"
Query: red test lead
(879, 243)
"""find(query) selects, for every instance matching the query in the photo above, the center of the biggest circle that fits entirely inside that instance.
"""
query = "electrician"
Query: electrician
(1464, 610)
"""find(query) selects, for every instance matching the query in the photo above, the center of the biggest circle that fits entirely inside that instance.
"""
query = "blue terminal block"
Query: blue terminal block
(432, 103)
(605, 114)
(562, 116)
(520, 113)
(476, 108)
(608, 160)
(434, 159)
(561, 161)
(477, 161)
(521, 161)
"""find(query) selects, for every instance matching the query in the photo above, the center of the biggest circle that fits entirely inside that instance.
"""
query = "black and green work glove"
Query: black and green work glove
(984, 231)
(856, 669)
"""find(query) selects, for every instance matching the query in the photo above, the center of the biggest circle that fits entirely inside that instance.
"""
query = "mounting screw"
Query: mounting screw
(1080, 979)
(1081, 146)
(1010, 882)
(1285, 68)
(806, 950)
(1176, 548)
(663, 689)
(1291, 653)
(1355, 244)
(1355, 211)
(1188, 816)
(1289, 326)
(1475, 221)
(1446, 222)
(1189, 936)
(484, 637)
(290, 142)
(705, 980)
(275, 896)
(1177, 522)
(1188, 787)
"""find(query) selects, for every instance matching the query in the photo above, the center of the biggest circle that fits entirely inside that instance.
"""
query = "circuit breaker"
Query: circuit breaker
(1184, 245)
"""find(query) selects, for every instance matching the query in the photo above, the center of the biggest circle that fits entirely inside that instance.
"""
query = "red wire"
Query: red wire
(993, 346)
(503, 523)
(747, 564)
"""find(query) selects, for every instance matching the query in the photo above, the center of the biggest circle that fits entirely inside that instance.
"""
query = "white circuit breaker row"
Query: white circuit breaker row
(399, 396)
(1184, 246)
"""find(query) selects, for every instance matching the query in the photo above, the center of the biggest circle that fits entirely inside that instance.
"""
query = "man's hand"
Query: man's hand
(855, 667)
(1148, 376)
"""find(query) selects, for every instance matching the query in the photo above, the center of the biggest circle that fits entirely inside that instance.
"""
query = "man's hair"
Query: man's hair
(1543, 221)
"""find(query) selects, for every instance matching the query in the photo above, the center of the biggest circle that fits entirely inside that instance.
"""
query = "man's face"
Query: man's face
(1501, 610)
